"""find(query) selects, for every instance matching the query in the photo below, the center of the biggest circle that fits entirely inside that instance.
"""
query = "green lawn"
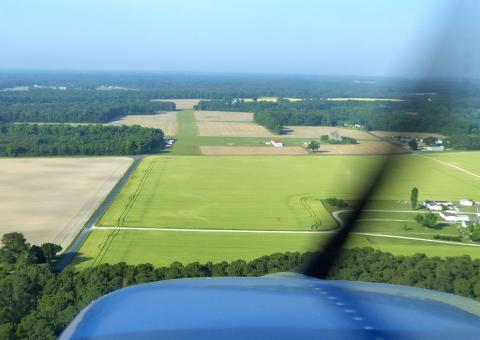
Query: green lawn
(243, 192)
(433, 179)
(468, 160)
(162, 248)
(247, 141)
(187, 143)
(271, 193)
(410, 247)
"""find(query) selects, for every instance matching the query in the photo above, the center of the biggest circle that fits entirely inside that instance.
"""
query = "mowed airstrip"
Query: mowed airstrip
(182, 207)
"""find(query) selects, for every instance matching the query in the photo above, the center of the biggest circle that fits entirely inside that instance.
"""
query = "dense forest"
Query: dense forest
(37, 302)
(450, 107)
(87, 110)
(18, 140)
(207, 86)
(28, 86)
(465, 142)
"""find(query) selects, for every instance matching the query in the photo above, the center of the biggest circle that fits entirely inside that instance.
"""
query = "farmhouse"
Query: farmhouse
(276, 142)
(434, 148)
(452, 218)
(439, 205)
(432, 205)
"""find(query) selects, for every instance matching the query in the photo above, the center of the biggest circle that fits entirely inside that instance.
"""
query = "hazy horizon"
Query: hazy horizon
(306, 37)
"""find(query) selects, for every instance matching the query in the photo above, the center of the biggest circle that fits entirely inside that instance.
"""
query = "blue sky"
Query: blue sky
(345, 37)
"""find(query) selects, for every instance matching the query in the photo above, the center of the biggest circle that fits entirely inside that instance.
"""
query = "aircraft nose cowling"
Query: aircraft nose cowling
(282, 306)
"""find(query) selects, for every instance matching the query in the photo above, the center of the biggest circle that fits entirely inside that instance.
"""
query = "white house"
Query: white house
(432, 205)
(276, 142)
(466, 203)
(434, 148)
(454, 218)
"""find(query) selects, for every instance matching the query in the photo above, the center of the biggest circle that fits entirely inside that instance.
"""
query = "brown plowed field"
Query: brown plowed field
(167, 121)
(364, 148)
(317, 131)
(251, 150)
(234, 129)
(50, 199)
(222, 116)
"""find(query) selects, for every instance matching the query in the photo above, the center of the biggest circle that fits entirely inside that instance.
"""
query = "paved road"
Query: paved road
(72, 251)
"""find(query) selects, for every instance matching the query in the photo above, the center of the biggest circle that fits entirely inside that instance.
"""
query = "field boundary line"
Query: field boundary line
(71, 251)
(217, 230)
(248, 231)
(415, 239)
(104, 247)
(381, 220)
(132, 198)
(453, 166)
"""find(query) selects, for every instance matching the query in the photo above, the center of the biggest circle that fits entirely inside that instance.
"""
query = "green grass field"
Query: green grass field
(187, 139)
(244, 192)
(468, 160)
(162, 248)
(271, 193)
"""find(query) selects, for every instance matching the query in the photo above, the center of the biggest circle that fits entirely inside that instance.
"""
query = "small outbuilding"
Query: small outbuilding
(466, 203)
(276, 142)
(432, 205)
(452, 218)
(434, 148)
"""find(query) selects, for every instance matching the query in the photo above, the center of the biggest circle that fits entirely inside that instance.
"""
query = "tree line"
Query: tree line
(17, 140)
(37, 302)
(444, 115)
(464, 142)
(156, 85)
(80, 111)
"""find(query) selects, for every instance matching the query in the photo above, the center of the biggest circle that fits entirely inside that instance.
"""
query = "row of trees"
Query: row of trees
(79, 111)
(445, 115)
(465, 142)
(38, 302)
(16, 251)
(18, 140)
(341, 140)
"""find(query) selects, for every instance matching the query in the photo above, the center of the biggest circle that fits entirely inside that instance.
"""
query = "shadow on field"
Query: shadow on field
(76, 258)
(441, 225)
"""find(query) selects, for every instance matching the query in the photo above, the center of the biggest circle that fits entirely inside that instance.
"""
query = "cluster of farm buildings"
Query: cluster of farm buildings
(431, 145)
(450, 212)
